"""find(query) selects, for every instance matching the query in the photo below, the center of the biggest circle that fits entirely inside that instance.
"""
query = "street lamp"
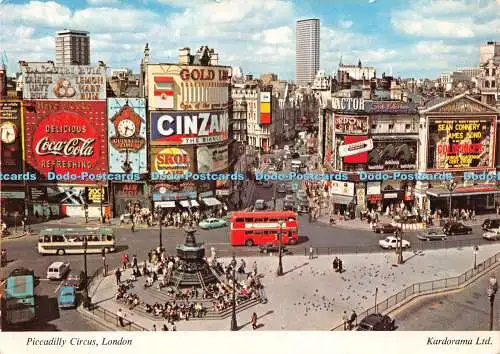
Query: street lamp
(159, 212)
(475, 249)
(279, 272)
(376, 293)
(399, 245)
(492, 290)
(102, 200)
(450, 185)
(86, 293)
(234, 324)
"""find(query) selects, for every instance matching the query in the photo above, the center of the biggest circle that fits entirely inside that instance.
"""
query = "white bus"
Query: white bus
(62, 241)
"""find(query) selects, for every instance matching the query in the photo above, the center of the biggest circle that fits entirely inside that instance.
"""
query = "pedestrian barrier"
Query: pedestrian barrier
(427, 288)
(112, 319)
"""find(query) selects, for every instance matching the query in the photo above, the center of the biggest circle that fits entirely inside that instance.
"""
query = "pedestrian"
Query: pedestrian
(254, 321)
(122, 219)
(340, 266)
(154, 328)
(353, 319)
(134, 261)
(119, 314)
(254, 267)
(335, 263)
(311, 253)
(118, 275)
(174, 328)
(165, 328)
(132, 228)
(345, 319)
(23, 223)
(124, 261)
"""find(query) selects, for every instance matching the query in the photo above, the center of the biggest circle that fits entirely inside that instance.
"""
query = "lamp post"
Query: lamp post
(492, 290)
(474, 250)
(102, 200)
(450, 185)
(86, 296)
(234, 324)
(376, 293)
(279, 272)
(159, 211)
(399, 245)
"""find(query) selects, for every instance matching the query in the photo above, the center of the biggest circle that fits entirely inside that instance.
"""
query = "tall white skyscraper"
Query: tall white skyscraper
(72, 47)
(306, 50)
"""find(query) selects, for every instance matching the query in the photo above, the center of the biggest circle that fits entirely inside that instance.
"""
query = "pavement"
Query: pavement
(465, 310)
(311, 296)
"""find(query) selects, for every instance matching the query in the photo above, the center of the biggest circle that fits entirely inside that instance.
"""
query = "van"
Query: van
(58, 270)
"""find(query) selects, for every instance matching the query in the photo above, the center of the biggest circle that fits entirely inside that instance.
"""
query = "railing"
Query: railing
(112, 318)
(427, 287)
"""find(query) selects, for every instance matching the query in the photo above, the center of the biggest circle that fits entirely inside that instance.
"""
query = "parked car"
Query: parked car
(289, 203)
(22, 271)
(281, 188)
(432, 235)
(456, 229)
(376, 322)
(212, 223)
(391, 242)
(303, 205)
(77, 280)
(260, 204)
(490, 224)
(67, 297)
(272, 248)
(386, 229)
(492, 235)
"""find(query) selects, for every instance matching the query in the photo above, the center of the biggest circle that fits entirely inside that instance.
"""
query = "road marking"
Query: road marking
(59, 286)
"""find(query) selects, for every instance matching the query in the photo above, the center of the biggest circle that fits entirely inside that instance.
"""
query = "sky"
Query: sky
(408, 38)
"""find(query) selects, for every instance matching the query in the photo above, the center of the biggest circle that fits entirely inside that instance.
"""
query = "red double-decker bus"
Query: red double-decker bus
(261, 227)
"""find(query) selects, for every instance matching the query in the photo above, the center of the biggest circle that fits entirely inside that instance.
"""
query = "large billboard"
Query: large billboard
(188, 87)
(127, 135)
(11, 145)
(172, 160)
(265, 117)
(393, 155)
(187, 128)
(350, 124)
(66, 137)
(45, 81)
(461, 143)
(212, 159)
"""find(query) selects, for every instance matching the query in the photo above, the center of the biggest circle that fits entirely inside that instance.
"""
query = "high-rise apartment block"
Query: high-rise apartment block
(72, 47)
(307, 51)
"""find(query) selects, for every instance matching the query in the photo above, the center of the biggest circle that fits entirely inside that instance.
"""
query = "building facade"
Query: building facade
(189, 107)
(72, 47)
(307, 42)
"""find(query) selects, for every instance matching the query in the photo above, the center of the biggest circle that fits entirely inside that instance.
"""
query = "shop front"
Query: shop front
(342, 198)
(127, 196)
(477, 198)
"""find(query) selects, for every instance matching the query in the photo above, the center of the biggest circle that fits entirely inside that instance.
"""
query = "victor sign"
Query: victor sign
(348, 104)
(186, 128)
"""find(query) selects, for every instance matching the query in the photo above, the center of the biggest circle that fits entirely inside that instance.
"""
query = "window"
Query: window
(46, 239)
(248, 219)
(248, 232)
(391, 126)
(407, 126)
(57, 238)
(239, 220)
(374, 126)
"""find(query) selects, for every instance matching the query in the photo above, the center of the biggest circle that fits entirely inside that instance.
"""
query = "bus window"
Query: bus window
(57, 238)
(248, 219)
(46, 238)
(239, 220)
(109, 238)
(248, 232)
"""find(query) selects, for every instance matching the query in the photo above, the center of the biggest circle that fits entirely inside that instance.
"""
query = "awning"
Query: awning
(185, 203)
(167, 204)
(194, 203)
(211, 201)
(342, 199)
(443, 193)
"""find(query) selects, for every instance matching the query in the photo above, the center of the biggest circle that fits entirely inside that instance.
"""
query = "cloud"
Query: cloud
(280, 35)
(103, 2)
(346, 24)
(48, 13)
(459, 19)
(371, 1)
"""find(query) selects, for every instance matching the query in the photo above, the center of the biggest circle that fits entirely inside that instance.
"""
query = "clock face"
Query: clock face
(8, 132)
(126, 128)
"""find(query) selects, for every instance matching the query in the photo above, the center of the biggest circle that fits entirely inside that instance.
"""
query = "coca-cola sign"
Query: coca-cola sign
(62, 140)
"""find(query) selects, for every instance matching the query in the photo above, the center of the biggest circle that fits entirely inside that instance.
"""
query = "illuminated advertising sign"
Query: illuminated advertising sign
(185, 128)
(342, 188)
(72, 82)
(66, 137)
(127, 135)
(174, 191)
(461, 143)
(348, 104)
(265, 116)
(393, 155)
(351, 125)
(11, 146)
(390, 107)
(188, 87)
(212, 159)
(172, 160)
(128, 190)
